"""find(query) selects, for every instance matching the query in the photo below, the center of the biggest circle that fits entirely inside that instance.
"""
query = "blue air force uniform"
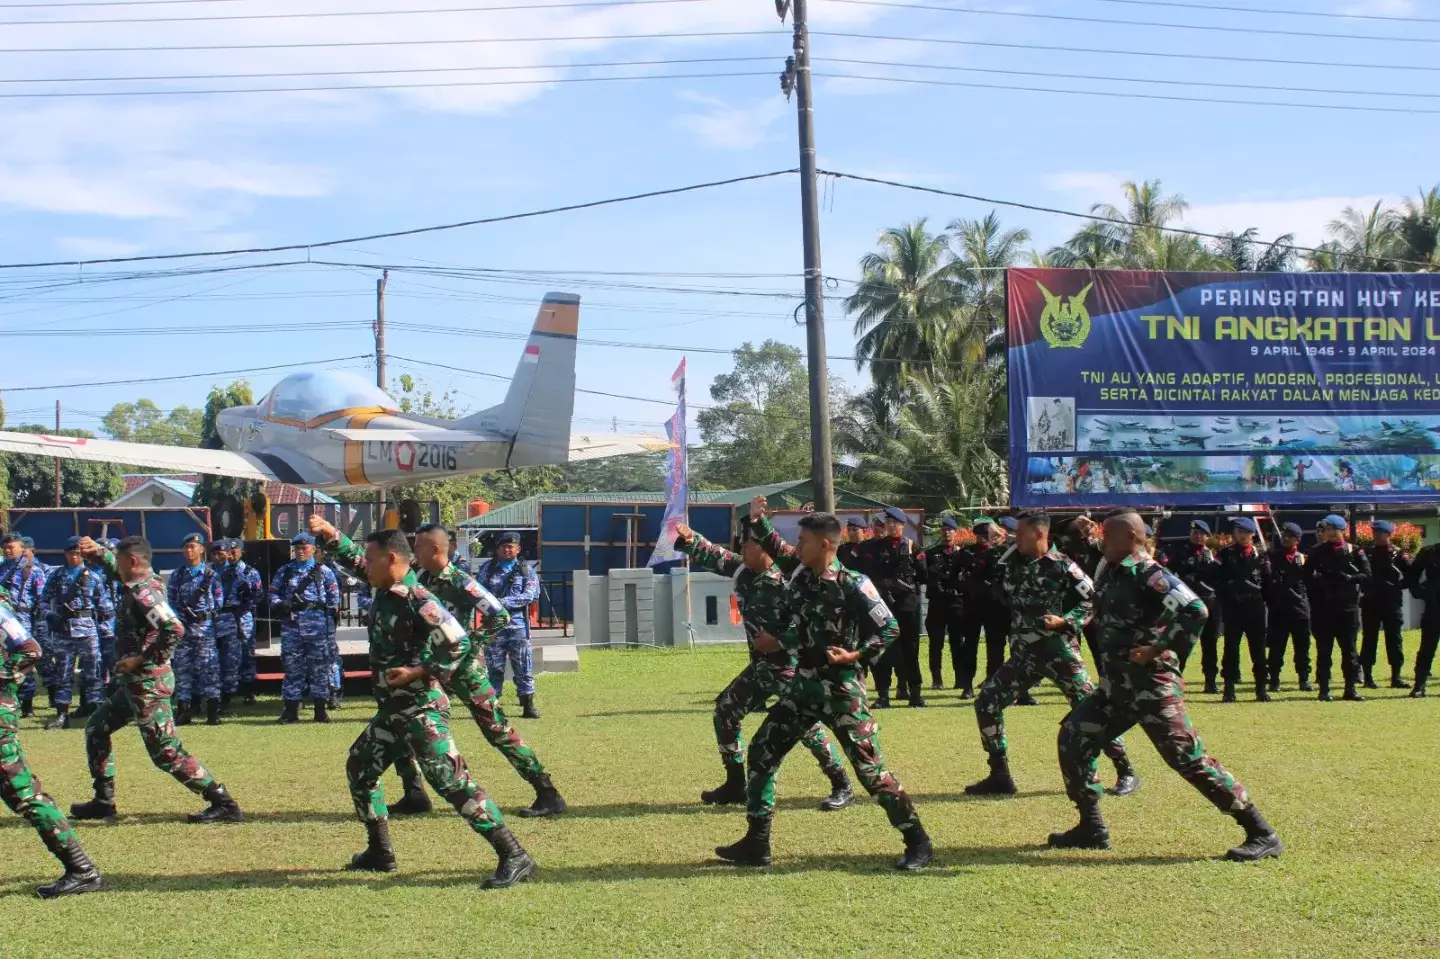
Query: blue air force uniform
(516, 586)
(194, 593)
(303, 595)
(25, 581)
(77, 601)
(237, 600)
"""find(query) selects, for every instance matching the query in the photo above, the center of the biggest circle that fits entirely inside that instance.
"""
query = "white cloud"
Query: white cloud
(97, 246)
(1305, 217)
(728, 127)
(1094, 186)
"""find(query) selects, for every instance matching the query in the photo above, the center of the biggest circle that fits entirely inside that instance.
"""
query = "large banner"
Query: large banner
(1184, 389)
(677, 476)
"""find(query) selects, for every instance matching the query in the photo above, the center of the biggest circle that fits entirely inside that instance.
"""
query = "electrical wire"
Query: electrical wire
(230, 17)
(1274, 11)
(184, 376)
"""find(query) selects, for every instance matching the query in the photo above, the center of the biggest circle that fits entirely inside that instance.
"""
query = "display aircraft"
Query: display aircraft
(333, 430)
(1193, 441)
(1187, 424)
(1131, 425)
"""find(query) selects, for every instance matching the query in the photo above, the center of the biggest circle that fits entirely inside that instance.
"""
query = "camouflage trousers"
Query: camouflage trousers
(41, 674)
(305, 654)
(1033, 657)
(471, 686)
(512, 646)
(78, 645)
(337, 668)
(835, 698)
(1152, 696)
(19, 788)
(416, 722)
(246, 626)
(197, 664)
(107, 652)
(228, 648)
(145, 698)
(748, 693)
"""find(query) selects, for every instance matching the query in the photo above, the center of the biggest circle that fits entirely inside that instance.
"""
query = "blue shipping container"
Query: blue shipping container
(164, 528)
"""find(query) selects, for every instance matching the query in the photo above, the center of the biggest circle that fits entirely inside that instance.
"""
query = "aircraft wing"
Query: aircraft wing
(180, 458)
(599, 445)
(414, 436)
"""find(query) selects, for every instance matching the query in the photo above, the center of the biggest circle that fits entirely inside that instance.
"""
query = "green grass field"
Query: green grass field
(630, 870)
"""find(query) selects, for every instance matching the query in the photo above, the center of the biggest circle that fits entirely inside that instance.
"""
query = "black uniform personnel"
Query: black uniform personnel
(985, 609)
(1380, 607)
(1338, 575)
(1087, 553)
(1424, 585)
(889, 561)
(1288, 598)
(1243, 573)
(1197, 566)
(938, 568)
(849, 552)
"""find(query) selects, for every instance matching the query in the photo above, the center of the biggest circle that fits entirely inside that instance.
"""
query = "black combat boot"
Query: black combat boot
(967, 693)
(227, 705)
(1229, 695)
(379, 855)
(27, 708)
(290, 713)
(936, 682)
(1274, 685)
(1026, 698)
(883, 700)
(1089, 834)
(1418, 691)
(754, 848)
(212, 712)
(223, 807)
(902, 689)
(1210, 688)
(50, 696)
(1261, 842)
(998, 783)
(1305, 685)
(841, 795)
(415, 802)
(733, 791)
(1352, 694)
(1324, 694)
(515, 863)
(248, 691)
(1367, 674)
(917, 700)
(1262, 692)
(1126, 780)
(85, 711)
(527, 707)
(548, 801)
(81, 876)
(918, 853)
(334, 702)
(322, 710)
(182, 713)
(102, 806)
(62, 718)
(1395, 681)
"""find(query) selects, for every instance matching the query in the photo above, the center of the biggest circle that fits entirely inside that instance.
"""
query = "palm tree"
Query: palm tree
(1093, 247)
(1325, 258)
(983, 252)
(1146, 212)
(1241, 252)
(1367, 240)
(1417, 231)
(905, 305)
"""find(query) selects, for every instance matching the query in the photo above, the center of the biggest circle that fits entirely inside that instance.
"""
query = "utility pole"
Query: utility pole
(796, 79)
(57, 459)
(380, 373)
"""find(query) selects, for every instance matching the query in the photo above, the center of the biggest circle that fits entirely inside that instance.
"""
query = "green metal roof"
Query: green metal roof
(525, 513)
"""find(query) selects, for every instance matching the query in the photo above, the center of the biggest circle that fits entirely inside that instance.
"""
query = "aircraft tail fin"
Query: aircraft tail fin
(541, 400)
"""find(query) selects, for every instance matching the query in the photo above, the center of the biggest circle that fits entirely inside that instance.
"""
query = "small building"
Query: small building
(145, 490)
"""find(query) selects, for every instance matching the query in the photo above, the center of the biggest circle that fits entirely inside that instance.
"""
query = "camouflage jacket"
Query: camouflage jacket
(1086, 553)
(18, 649)
(1140, 603)
(784, 555)
(145, 625)
(408, 627)
(25, 582)
(472, 604)
(938, 568)
(1049, 585)
(761, 595)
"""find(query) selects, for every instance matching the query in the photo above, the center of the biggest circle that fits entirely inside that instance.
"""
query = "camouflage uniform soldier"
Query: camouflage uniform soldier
(304, 592)
(760, 590)
(147, 633)
(26, 584)
(19, 788)
(194, 593)
(236, 599)
(1147, 617)
(414, 645)
(1050, 601)
(515, 584)
(245, 621)
(76, 599)
(829, 606)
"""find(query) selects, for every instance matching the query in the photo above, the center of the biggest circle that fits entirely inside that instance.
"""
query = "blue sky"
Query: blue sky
(112, 176)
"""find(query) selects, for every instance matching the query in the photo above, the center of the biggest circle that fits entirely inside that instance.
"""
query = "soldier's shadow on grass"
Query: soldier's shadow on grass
(290, 817)
(949, 860)
(607, 714)
(631, 810)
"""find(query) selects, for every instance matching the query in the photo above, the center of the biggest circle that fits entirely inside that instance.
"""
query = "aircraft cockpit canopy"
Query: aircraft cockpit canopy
(303, 398)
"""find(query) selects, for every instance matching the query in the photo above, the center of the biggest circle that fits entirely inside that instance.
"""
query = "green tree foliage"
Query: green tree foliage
(144, 422)
(32, 478)
(418, 398)
(210, 488)
(5, 502)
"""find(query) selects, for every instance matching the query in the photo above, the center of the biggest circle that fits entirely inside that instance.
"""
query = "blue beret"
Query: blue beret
(509, 538)
(1293, 529)
(878, 519)
(949, 523)
(853, 523)
(896, 514)
(27, 542)
(1245, 523)
(1008, 522)
(109, 543)
(11, 538)
(192, 538)
(1383, 526)
(302, 539)
(1200, 524)
(72, 543)
(1335, 522)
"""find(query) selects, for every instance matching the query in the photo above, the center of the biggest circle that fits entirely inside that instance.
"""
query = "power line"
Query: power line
(1136, 23)
(48, 95)
(183, 376)
(1276, 11)
(1132, 96)
(335, 44)
(391, 72)
(104, 3)
(320, 244)
(1215, 57)
(223, 18)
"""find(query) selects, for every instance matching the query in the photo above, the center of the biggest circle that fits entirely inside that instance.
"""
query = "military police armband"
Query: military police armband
(14, 632)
